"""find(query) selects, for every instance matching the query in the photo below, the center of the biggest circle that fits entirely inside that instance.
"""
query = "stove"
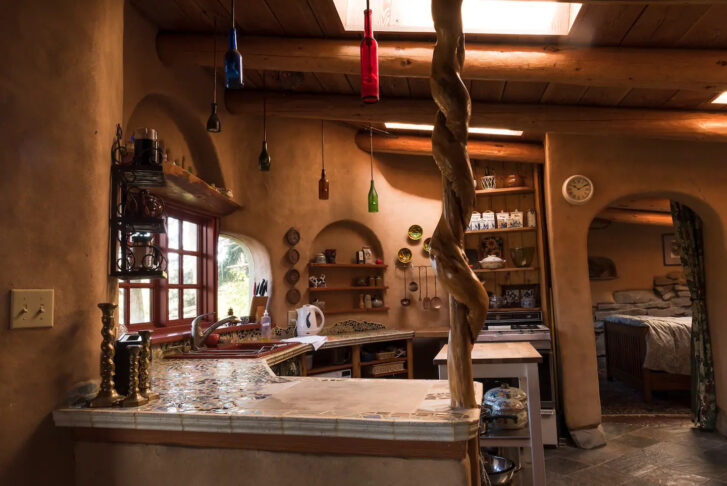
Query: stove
(508, 326)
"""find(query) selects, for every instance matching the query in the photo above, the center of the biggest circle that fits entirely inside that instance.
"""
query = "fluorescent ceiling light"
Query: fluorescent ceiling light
(507, 17)
(721, 99)
(475, 130)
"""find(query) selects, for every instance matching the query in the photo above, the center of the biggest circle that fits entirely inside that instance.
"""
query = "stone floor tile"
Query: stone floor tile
(673, 477)
(715, 482)
(563, 465)
(615, 429)
(599, 476)
(635, 441)
(637, 463)
(592, 457)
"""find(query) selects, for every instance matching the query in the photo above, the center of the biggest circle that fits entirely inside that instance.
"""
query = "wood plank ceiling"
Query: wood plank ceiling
(655, 25)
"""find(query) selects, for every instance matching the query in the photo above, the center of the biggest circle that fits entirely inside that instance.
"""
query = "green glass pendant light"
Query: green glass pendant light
(373, 195)
(264, 158)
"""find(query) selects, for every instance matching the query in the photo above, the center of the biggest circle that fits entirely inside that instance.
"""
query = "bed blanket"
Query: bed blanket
(668, 342)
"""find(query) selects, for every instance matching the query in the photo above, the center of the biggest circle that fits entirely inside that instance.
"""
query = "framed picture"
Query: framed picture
(670, 248)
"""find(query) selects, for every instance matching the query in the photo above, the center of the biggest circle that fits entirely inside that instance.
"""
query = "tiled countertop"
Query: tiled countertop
(244, 396)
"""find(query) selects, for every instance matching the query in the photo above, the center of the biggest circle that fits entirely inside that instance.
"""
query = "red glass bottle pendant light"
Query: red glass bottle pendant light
(369, 61)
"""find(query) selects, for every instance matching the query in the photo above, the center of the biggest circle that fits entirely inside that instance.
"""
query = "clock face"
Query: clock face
(577, 189)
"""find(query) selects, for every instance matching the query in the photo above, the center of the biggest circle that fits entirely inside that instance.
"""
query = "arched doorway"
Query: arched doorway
(646, 269)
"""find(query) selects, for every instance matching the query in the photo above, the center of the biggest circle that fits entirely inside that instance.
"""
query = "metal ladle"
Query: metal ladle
(436, 301)
(427, 300)
(413, 286)
(405, 301)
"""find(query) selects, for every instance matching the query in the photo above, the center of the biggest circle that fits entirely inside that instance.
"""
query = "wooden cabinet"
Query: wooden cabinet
(373, 360)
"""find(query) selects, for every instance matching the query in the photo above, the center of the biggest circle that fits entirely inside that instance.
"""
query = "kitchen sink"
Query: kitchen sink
(244, 350)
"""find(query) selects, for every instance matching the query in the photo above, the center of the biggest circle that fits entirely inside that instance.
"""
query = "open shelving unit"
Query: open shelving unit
(522, 198)
(322, 360)
(337, 288)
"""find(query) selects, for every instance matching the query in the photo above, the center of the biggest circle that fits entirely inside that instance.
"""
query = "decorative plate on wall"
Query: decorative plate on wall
(428, 245)
(292, 237)
(292, 256)
(415, 232)
(293, 296)
(292, 276)
(404, 255)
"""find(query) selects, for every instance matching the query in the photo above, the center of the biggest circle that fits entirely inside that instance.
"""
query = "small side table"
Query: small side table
(510, 360)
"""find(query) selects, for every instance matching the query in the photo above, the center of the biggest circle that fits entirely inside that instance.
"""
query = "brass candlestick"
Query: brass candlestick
(145, 366)
(107, 395)
(134, 398)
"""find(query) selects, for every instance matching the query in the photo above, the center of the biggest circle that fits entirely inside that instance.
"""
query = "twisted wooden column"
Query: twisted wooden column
(468, 301)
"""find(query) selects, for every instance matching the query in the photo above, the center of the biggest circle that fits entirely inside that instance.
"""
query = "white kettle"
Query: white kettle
(307, 324)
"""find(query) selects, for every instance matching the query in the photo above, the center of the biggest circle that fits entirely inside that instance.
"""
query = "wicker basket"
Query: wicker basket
(385, 368)
(385, 355)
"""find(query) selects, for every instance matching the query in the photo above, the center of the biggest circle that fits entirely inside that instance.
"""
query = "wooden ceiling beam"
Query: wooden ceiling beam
(630, 216)
(532, 153)
(689, 69)
(687, 125)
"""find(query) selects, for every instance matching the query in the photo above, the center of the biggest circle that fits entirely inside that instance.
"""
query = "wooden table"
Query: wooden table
(510, 360)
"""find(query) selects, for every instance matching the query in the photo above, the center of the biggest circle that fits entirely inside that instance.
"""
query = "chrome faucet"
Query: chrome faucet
(199, 337)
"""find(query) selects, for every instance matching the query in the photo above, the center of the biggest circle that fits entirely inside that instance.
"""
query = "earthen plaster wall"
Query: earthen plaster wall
(690, 172)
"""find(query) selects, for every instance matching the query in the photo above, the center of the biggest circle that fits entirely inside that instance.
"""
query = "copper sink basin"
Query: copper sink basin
(245, 350)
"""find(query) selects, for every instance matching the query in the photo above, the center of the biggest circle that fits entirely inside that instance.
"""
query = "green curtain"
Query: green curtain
(688, 229)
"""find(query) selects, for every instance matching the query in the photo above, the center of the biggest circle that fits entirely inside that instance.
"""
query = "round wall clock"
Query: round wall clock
(577, 189)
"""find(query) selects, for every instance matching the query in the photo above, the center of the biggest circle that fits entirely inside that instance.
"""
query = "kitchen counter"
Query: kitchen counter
(243, 395)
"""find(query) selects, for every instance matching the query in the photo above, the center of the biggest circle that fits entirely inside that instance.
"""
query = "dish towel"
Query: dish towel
(315, 341)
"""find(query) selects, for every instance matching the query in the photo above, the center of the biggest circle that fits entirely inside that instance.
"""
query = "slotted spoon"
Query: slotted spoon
(427, 301)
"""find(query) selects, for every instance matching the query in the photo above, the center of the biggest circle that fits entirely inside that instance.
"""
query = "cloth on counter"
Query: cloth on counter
(668, 342)
(315, 341)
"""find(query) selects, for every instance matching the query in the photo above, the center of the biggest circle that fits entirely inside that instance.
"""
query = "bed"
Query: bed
(650, 353)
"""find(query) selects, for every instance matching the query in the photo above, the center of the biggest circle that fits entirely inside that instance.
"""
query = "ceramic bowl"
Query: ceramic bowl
(428, 245)
(522, 257)
(404, 255)
(415, 232)
(492, 262)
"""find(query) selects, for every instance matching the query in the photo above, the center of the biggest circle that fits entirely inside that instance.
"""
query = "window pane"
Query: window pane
(190, 302)
(122, 302)
(173, 304)
(190, 269)
(173, 233)
(139, 305)
(233, 277)
(189, 236)
(173, 267)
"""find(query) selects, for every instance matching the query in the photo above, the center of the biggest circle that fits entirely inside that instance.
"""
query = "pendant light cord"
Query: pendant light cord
(214, 62)
(265, 111)
(323, 157)
(371, 149)
(233, 13)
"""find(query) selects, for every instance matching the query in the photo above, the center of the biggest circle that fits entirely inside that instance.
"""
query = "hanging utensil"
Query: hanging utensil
(420, 284)
(413, 286)
(436, 301)
(405, 301)
(427, 301)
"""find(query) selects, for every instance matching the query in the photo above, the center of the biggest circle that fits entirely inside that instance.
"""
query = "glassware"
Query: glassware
(369, 61)
(264, 158)
(233, 58)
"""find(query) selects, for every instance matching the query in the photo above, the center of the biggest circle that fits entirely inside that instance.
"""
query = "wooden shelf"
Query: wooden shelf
(189, 190)
(344, 289)
(326, 369)
(390, 373)
(499, 230)
(506, 269)
(503, 191)
(516, 309)
(357, 311)
(381, 361)
(347, 265)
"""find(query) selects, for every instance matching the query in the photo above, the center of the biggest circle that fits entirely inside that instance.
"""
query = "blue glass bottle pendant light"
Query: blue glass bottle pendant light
(233, 58)
(213, 122)
(264, 157)
(373, 195)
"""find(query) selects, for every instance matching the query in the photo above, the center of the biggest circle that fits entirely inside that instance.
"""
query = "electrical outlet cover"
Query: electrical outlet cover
(31, 308)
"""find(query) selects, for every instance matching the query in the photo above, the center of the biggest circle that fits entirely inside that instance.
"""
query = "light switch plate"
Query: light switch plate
(31, 308)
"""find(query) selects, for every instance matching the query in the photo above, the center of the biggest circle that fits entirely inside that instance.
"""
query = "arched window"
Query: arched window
(234, 276)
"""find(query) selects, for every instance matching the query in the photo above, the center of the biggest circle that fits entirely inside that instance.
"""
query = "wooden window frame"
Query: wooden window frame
(206, 285)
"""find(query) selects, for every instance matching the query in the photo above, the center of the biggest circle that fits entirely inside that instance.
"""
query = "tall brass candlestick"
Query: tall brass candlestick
(134, 398)
(145, 366)
(107, 395)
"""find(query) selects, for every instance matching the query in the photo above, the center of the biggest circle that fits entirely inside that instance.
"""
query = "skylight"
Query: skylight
(476, 130)
(506, 17)
(721, 99)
